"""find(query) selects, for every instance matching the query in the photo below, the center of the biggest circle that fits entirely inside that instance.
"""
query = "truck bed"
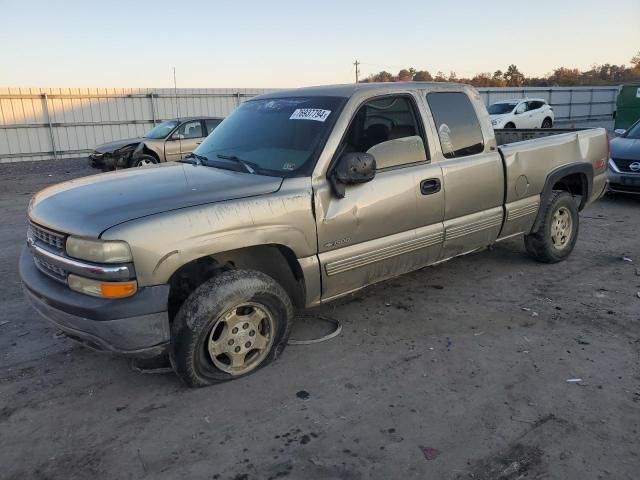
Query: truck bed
(530, 155)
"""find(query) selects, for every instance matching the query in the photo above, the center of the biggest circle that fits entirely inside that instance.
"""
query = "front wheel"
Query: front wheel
(510, 125)
(144, 161)
(230, 326)
(556, 236)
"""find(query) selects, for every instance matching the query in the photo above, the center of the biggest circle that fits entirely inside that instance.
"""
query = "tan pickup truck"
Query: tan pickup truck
(297, 198)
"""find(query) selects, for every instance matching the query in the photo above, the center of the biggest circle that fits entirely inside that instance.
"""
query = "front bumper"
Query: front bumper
(107, 161)
(624, 182)
(137, 326)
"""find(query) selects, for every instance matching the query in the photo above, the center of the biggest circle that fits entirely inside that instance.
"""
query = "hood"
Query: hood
(90, 205)
(113, 146)
(499, 117)
(626, 148)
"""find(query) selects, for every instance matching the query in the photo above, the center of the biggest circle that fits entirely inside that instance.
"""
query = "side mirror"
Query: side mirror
(619, 131)
(177, 136)
(352, 168)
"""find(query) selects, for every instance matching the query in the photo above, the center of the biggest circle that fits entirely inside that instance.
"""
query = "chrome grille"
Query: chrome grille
(624, 165)
(50, 269)
(52, 239)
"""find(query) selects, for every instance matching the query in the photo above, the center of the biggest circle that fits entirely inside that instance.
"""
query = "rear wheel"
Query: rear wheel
(230, 326)
(547, 123)
(558, 231)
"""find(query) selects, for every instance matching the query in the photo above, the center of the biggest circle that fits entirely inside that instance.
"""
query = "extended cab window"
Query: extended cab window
(457, 124)
(388, 129)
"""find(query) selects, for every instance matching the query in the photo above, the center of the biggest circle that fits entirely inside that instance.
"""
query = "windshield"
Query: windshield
(162, 130)
(501, 108)
(279, 136)
(634, 131)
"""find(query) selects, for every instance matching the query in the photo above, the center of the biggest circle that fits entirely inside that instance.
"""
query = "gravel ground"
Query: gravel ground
(452, 372)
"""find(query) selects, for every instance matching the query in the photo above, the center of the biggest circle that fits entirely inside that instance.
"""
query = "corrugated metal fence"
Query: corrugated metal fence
(42, 124)
(569, 103)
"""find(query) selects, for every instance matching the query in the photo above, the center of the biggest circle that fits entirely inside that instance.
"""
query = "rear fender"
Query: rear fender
(584, 169)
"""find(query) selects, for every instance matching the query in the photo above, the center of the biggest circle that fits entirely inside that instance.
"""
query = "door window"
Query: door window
(190, 130)
(211, 124)
(457, 124)
(387, 128)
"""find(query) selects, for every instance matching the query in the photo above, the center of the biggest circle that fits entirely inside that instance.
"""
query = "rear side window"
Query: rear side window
(457, 124)
(536, 104)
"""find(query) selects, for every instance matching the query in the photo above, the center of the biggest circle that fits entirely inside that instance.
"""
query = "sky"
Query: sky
(289, 43)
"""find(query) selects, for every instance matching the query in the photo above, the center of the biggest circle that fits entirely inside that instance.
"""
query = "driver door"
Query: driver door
(375, 232)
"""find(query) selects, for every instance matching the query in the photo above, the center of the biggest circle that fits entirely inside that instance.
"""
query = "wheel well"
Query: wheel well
(547, 118)
(148, 151)
(277, 261)
(575, 184)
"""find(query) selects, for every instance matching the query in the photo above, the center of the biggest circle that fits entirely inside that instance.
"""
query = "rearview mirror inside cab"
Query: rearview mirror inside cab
(352, 168)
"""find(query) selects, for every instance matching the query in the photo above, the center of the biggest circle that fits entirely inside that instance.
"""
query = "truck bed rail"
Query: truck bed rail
(512, 135)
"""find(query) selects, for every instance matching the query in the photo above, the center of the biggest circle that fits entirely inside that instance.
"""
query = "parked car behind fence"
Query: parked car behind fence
(170, 140)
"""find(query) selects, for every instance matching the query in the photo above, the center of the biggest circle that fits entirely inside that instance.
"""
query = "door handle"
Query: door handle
(430, 186)
(198, 143)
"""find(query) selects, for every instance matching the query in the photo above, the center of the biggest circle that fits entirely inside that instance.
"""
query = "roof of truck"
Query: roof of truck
(348, 89)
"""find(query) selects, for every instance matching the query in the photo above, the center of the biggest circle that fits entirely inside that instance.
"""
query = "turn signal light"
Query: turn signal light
(118, 290)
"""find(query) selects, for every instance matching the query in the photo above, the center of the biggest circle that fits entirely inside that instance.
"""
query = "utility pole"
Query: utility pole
(356, 63)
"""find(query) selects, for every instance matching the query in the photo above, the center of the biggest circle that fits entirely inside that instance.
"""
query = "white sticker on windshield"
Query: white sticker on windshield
(316, 114)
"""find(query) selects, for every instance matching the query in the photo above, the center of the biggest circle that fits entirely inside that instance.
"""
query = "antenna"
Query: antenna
(175, 94)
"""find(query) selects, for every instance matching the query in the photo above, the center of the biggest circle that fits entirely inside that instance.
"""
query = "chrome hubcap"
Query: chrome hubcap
(144, 163)
(241, 338)
(561, 228)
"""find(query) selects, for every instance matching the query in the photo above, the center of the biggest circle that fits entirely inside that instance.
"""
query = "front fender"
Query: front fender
(164, 242)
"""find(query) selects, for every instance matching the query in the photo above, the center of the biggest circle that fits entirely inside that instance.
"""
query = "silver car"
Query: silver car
(624, 164)
(170, 140)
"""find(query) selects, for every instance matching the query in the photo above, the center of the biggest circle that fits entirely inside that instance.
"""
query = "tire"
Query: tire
(510, 125)
(547, 123)
(558, 231)
(221, 318)
(143, 161)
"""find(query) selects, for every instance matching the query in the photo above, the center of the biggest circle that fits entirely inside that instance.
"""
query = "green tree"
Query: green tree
(513, 76)
(405, 75)
(422, 76)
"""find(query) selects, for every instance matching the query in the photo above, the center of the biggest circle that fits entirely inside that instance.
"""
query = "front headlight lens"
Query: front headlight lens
(100, 251)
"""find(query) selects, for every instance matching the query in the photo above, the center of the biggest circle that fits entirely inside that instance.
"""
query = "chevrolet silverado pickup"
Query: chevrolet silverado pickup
(298, 197)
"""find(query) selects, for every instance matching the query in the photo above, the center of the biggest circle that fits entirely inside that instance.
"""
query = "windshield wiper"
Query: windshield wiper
(237, 160)
(199, 159)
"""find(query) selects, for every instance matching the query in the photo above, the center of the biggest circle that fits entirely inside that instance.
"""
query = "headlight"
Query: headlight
(96, 288)
(494, 122)
(124, 151)
(100, 251)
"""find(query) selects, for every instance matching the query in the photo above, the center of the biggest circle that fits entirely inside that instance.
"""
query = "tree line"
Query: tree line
(606, 74)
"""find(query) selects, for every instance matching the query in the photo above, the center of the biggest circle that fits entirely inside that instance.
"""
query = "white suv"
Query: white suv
(521, 113)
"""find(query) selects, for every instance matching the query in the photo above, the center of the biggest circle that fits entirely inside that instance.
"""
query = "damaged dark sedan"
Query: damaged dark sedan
(167, 141)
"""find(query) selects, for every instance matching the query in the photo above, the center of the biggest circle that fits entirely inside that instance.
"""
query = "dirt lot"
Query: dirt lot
(453, 372)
